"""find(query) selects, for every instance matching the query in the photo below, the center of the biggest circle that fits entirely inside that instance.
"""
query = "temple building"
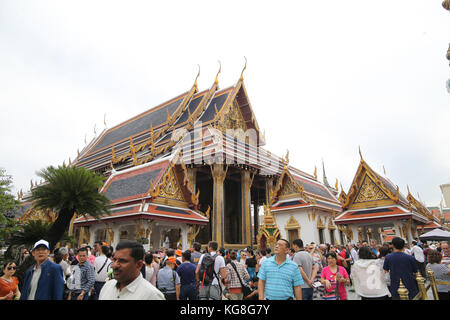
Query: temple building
(194, 168)
(374, 208)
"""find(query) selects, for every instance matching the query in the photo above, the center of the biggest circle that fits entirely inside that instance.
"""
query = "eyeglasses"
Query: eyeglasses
(11, 268)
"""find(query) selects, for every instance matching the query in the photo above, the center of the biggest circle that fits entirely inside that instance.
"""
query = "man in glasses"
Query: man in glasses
(44, 280)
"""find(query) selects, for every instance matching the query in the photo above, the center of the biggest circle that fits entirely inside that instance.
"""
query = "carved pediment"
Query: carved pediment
(170, 187)
(290, 188)
(292, 223)
(369, 191)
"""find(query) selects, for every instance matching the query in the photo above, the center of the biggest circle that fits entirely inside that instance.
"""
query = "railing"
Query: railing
(422, 295)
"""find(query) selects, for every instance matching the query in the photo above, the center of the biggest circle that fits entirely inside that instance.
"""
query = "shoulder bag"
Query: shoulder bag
(246, 290)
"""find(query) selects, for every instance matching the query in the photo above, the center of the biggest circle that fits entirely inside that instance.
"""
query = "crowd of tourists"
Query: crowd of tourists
(300, 272)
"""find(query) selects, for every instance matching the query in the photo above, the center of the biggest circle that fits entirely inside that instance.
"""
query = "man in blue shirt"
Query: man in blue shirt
(45, 280)
(401, 266)
(279, 277)
(186, 271)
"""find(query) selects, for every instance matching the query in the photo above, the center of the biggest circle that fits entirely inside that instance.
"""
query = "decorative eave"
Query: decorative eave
(418, 206)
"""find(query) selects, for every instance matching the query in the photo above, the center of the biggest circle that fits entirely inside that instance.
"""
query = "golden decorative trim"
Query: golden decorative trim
(170, 188)
(293, 224)
(320, 224)
(369, 191)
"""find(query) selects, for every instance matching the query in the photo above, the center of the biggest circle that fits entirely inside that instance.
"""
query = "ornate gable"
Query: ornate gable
(369, 191)
(170, 188)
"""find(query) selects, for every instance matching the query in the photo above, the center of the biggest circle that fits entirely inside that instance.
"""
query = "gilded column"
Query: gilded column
(192, 174)
(269, 186)
(219, 174)
(246, 184)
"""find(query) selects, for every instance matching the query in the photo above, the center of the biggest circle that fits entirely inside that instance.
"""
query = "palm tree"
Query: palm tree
(68, 190)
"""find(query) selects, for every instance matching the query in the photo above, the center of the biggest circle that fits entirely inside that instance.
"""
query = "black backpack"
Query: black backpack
(206, 271)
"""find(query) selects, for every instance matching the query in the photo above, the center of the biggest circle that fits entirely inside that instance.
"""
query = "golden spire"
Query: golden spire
(315, 172)
(217, 75)
(286, 158)
(198, 74)
(242, 72)
(336, 185)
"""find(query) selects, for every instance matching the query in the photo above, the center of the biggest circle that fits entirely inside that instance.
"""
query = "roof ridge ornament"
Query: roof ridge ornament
(242, 72)
(217, 75)
(360, 154)
(198, 74)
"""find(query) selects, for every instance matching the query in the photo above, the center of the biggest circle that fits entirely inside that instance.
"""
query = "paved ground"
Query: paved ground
(351, 295)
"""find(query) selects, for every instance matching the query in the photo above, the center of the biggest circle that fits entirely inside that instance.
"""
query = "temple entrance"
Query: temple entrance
(204, 183)
(172, 238)
(292, 235)
(233, 208)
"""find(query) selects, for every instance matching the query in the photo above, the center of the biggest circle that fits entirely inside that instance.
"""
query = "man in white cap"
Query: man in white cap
(44, 280)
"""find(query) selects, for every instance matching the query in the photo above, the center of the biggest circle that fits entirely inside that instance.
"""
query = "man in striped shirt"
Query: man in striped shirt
(279, 277)
(83, 278)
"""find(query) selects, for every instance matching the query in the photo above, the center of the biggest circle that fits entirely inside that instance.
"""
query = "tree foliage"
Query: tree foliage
(68, 190)
(8, 206)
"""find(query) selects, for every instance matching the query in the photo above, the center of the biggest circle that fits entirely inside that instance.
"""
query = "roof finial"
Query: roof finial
(325, 181)
(315, 172)
(360, 154)
(336, 185)
(384, 170)
(198, 74)
(217, 75)
(407, 187)
(95, 131)
(245, 67)
(286, 158)
(104, 120)
(85, 137)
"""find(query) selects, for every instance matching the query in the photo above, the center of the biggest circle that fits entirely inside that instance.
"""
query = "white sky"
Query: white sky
(323, 77)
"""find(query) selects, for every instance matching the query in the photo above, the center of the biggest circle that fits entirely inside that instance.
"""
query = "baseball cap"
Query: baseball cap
(41, 243)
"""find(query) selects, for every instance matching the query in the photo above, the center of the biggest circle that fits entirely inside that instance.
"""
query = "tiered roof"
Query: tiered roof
(296, 189)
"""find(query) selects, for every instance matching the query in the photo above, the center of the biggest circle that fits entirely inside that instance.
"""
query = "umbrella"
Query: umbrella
(436, 235)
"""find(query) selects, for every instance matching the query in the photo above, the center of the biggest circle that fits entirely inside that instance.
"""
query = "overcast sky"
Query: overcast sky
(323, 78)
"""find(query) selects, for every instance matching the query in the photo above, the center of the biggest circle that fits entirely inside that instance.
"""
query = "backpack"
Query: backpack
(206, 271)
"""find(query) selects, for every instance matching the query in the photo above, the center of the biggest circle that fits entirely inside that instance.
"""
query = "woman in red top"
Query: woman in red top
(9, 289)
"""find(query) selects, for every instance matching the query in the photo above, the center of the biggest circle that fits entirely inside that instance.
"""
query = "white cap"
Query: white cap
(41, 243)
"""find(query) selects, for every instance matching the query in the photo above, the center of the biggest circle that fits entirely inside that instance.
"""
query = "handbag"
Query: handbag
(246, 290)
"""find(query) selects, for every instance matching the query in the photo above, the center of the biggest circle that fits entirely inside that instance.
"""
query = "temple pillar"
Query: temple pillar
(255, 221)
(219, 174)
(192, 174)
(246, 181)
(269, 186)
